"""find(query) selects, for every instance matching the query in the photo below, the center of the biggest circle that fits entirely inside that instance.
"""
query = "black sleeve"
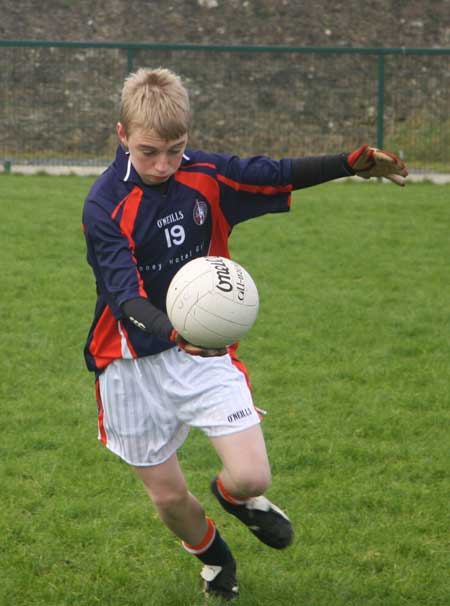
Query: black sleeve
(313, 170)
(147, 317)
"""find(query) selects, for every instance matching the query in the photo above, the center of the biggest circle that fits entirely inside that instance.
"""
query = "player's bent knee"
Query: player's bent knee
(252, 483)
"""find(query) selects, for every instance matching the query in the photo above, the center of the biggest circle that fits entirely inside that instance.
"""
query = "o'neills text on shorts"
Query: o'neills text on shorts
(239, 414)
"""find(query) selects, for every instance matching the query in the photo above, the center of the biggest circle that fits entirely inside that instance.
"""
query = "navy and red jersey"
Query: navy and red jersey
(138, 236)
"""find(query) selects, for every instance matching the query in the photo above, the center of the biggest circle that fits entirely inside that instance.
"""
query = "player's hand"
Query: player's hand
(194, 350)
(370, 162)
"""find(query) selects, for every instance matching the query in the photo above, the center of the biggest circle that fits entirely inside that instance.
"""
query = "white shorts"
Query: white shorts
(147, 405)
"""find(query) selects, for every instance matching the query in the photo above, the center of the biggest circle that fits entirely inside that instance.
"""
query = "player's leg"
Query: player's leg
(245, 464)
(244, 478)
(144, 430)
(176, 506)
(184, 516)
(217, 399)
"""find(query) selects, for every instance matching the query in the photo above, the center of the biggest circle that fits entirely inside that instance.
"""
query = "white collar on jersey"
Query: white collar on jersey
(127, 174)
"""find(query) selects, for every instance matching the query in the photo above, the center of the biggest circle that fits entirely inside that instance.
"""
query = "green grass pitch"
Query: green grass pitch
(350, 356)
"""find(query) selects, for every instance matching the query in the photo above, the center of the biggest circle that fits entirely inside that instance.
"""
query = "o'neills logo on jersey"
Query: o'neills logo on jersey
(200, 212)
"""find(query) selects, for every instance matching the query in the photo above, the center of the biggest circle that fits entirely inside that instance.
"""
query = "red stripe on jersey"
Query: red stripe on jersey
(105, 345)
(142, 291)
(118, 207)
(130, 205)
(101, 412)
(209, 188)
(130, 210)
(207, 164)
(268, 190)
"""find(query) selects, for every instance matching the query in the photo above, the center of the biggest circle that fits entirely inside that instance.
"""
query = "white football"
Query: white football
(212, 302)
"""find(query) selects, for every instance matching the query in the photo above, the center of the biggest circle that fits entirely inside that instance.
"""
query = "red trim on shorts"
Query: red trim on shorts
(207, 541)
(238, 363)
(242, 368)
(101, 412)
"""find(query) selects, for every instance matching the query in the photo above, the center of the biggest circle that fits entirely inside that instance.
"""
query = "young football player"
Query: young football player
(157, 206)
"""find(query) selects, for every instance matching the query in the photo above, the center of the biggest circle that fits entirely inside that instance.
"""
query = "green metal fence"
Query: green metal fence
(59, 100)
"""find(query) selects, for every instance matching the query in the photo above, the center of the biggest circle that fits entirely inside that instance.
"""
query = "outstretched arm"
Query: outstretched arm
(365, 162)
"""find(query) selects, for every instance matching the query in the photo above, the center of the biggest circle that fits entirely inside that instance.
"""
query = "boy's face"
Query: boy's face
(154, 159)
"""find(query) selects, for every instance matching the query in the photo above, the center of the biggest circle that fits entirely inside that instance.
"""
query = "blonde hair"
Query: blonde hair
(155, 99)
